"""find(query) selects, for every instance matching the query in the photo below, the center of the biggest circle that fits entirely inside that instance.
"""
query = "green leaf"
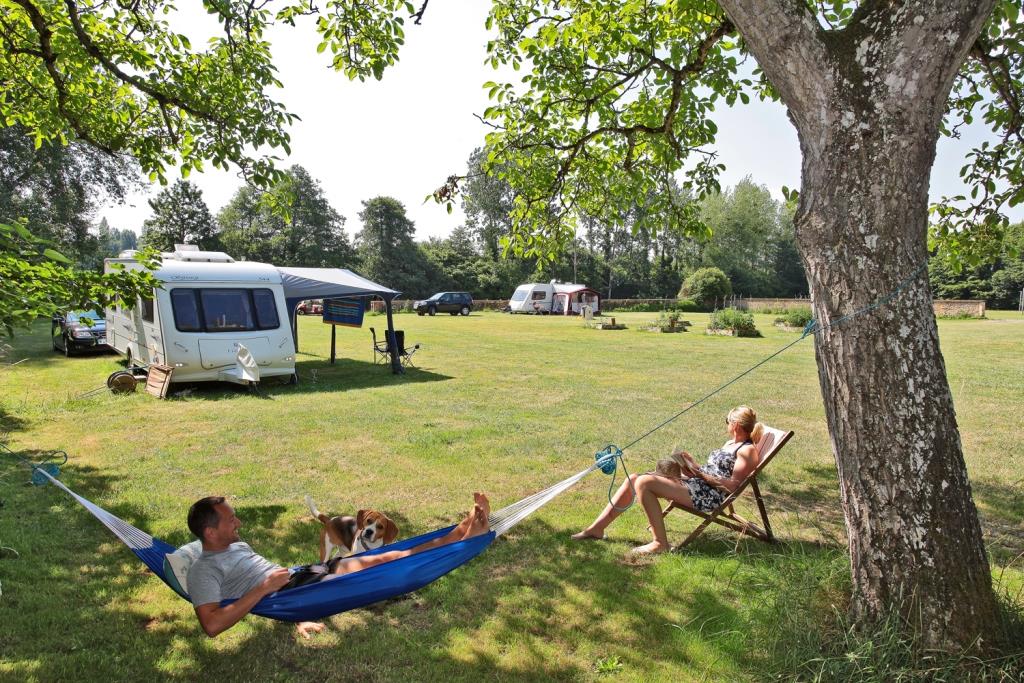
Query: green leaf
(56, 256)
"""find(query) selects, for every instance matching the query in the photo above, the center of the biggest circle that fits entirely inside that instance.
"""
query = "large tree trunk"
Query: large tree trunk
(867, 103)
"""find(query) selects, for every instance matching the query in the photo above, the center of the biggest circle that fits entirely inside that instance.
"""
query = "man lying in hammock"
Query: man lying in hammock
(229, 569)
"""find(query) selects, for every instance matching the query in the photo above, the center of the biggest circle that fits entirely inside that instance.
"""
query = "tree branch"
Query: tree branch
(1000, 73)
(161, 97)
(419, 15)
(49, 58)
(786, 39)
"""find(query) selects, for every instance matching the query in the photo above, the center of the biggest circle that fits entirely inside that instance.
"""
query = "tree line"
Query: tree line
(750, 238)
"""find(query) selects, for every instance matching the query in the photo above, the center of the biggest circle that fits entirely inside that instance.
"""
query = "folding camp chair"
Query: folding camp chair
(380, 349)
(771, 442)
(403, 353)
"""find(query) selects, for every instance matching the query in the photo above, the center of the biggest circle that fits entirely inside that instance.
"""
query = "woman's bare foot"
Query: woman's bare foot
(481, 500)
(305, 628)
(651, 548)
(587, 535)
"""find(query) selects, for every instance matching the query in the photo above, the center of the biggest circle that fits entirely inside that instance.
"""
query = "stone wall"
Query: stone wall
(755, 305)
(960, 308)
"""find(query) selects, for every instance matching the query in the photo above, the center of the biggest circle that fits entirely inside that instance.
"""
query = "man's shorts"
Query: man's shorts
(311, 573)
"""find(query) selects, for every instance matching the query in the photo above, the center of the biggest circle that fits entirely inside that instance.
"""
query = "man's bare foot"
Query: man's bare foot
(587, 535)
(479, 524)
(307, 628)
(481, 500)
(651, 548)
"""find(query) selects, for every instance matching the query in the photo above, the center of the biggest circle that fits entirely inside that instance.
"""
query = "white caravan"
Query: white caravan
(560, 298)
(213, 319)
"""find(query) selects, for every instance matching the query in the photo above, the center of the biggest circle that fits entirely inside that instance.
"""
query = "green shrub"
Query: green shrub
(740, 322)
(687, 306)
(638, 308)
(796, 317)
(706, 285)
(962, 315)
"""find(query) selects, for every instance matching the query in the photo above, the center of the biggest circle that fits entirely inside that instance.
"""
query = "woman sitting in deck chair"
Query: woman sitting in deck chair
(682, 480)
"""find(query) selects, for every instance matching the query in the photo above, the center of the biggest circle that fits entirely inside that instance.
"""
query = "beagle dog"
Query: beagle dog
(337, 535)
(373, 529)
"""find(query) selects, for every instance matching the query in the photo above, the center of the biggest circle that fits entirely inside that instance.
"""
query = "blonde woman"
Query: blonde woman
(702, 487)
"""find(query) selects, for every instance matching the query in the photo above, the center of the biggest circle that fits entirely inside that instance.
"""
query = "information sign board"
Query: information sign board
(347, 312)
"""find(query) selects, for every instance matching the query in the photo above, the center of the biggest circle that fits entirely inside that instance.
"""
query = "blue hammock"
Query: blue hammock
(316, 600)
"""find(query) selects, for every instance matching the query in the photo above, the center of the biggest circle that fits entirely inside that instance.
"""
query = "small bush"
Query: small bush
(962, 315)
(796, 317)
(638, 308)
(740, 322)
(686, 306)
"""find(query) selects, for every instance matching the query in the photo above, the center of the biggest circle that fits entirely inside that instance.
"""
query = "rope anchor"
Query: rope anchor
(38, 468)
(606, 457)
(607, 460)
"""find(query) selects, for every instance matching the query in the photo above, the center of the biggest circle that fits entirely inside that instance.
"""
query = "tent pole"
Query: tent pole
(396, 363)
(295, 331)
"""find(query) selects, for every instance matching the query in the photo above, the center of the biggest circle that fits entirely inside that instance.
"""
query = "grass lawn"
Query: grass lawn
(503, 404)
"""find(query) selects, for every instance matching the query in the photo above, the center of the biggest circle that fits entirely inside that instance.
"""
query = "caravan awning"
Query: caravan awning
(328, 283)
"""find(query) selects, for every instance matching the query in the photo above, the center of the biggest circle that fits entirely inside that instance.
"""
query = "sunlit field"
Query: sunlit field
(498, 403)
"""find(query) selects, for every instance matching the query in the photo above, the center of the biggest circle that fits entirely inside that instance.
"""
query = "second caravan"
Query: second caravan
(559, 298)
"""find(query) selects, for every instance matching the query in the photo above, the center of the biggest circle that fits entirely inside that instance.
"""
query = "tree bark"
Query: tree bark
(867, 102)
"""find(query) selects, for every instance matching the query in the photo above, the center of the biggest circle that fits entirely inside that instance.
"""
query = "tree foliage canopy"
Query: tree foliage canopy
(56, 188)
(387, 252)
(37, 280)
(312, 235)
(620, 95)
(180, 216)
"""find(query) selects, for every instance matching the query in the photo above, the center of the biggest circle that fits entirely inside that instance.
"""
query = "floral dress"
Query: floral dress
(720, 463)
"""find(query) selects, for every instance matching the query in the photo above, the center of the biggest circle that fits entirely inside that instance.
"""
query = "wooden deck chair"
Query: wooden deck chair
(771, 442)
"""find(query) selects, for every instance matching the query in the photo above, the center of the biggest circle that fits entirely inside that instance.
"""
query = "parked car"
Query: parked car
(455, 303)
(312, 307)
(79, 331)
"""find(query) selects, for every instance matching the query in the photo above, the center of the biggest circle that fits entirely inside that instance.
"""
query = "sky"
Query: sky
(403, 135)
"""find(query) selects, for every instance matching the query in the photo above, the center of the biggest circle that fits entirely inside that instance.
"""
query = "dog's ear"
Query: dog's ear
(361, 518)
(390, 530)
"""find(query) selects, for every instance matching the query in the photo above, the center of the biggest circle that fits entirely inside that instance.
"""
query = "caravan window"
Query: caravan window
(538, 296)
(186, 310)
(224, 310)
(266, 309)
(227, 310)
(520, 293)
(147, 308)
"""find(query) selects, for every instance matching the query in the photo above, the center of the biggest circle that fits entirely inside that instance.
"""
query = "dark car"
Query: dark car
(79, 331)
(456, 303)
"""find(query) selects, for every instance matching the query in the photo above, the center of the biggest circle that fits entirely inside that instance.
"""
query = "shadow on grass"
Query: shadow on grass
(315, 376)
(535, 606)
(1001, 507)
(9, 422)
